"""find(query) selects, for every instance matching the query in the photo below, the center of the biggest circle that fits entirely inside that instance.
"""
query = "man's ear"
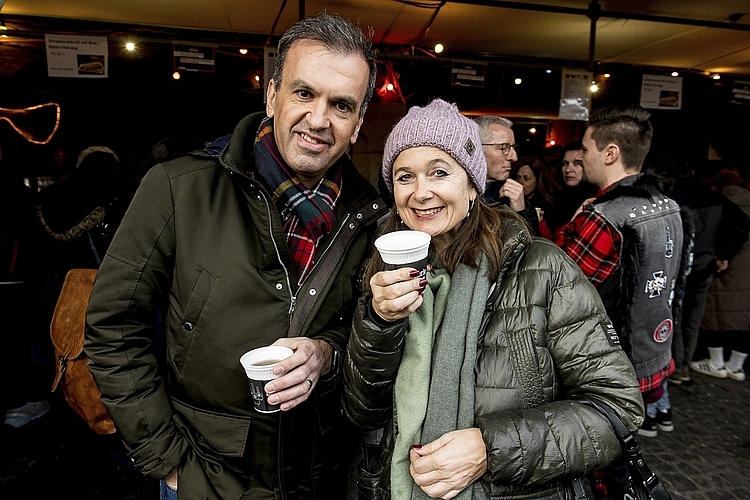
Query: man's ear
(270, 98)
(611, 154)
(355, 134)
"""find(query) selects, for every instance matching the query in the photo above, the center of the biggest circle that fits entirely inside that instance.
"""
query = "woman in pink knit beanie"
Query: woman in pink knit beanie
(471, 371)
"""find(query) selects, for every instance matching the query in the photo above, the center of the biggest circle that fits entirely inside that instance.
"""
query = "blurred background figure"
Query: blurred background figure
(169, 148)
(77, 218)
(533, 175)
(720, 228)
(24, 387)
(727, 317)
(573, 191)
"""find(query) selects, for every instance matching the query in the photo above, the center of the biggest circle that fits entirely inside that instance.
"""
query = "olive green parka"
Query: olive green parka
(202, 247)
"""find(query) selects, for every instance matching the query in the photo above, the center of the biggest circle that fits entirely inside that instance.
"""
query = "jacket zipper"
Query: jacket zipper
(293, 300)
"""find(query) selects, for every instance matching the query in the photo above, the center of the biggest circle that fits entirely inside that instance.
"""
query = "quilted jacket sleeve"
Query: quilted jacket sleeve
(562, 437)
(370, 371)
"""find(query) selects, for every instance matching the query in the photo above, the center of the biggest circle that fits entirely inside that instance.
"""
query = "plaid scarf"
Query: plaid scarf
(307, 213)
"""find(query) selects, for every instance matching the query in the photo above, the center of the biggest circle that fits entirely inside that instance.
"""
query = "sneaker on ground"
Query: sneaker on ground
(18, 417)
(738, 375)
(684, 375)
(649, 428)
(705, 367)
(675, 379)
(664, 420)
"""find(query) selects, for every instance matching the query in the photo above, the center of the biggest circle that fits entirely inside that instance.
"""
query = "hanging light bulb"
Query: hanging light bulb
(176, 75)
(439, 48)
(243, 51)
(130, 46)
(594, 87)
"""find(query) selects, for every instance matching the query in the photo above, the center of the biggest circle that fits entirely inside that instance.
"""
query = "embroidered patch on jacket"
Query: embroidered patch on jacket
(470, 147)
(669, 247)
(657, 285)
(610, 333)
(663, 331)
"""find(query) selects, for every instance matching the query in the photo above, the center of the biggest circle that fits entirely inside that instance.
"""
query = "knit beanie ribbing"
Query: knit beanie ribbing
(441, 125)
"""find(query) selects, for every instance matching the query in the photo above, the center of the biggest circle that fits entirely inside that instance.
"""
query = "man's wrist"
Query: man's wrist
(335, 366)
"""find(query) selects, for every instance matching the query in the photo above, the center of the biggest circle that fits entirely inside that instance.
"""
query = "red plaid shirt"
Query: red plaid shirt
(653, 381)
(594, 244)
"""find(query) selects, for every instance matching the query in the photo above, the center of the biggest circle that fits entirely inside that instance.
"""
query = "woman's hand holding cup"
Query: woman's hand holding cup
(397, 294)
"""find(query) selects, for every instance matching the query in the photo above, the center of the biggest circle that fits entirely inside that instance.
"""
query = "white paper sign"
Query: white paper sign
(575, 96)
(661, 92)
(76, 56)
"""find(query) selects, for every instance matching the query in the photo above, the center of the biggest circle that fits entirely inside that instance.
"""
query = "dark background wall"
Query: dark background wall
(140, 103)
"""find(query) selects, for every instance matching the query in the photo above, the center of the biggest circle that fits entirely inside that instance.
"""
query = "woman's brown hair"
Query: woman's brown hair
(479, 234)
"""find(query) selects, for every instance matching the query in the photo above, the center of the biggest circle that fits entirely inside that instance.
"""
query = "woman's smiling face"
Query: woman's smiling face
(432, 192)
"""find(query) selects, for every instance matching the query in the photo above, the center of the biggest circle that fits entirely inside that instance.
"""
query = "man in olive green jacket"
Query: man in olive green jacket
(259, 246)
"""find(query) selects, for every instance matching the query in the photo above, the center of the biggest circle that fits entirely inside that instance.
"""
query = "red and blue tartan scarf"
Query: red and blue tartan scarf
(307, 214)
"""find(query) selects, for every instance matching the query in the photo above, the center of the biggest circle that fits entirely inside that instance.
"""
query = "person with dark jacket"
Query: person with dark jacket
(499, 146)
(726, 323)
(24, 375)
(260, 245)
(481, 365)
(574, 189)
(721, 229)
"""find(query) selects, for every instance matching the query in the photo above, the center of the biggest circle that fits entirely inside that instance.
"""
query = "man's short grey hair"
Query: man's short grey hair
(485, 121)
(337, 34)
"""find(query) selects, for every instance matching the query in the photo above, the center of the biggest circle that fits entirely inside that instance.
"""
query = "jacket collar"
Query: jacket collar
(238, 157)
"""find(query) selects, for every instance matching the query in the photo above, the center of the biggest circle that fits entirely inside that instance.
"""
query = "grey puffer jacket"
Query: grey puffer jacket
(544, 341)
(203, 242)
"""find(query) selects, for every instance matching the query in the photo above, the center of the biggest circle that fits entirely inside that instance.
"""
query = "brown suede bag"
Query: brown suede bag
(67, 330)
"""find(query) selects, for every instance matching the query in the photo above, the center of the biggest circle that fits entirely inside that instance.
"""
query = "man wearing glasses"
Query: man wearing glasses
(499, 145)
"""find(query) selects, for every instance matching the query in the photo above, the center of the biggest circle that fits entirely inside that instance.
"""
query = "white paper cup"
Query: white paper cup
(258, 365)
(404, 249)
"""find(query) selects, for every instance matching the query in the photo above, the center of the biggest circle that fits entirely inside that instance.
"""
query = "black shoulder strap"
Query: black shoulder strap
(632, 453)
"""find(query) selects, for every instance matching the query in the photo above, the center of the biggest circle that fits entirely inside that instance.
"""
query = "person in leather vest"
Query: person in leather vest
(631, 245)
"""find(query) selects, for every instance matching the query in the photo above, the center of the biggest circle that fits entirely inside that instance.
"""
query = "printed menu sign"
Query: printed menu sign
(575, 97)
(661, 92)
(76, 56)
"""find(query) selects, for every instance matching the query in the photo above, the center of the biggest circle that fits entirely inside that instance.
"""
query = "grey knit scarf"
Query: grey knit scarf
(434, 390)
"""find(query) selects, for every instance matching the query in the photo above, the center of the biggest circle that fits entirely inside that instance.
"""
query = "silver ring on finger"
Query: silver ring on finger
(309, 384)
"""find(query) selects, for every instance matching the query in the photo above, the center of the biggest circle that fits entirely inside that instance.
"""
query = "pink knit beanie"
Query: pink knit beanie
(439, 124)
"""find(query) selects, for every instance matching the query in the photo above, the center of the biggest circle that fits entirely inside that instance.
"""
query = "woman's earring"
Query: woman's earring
(471, 207)
(400, 220)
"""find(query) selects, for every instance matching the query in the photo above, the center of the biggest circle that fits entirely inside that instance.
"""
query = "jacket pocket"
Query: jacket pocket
(224, 434)
(191, 314)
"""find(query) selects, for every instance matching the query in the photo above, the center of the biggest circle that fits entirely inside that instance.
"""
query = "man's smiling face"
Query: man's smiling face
(316, 109)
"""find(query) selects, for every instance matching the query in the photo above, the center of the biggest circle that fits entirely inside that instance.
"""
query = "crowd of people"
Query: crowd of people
(599, 275)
